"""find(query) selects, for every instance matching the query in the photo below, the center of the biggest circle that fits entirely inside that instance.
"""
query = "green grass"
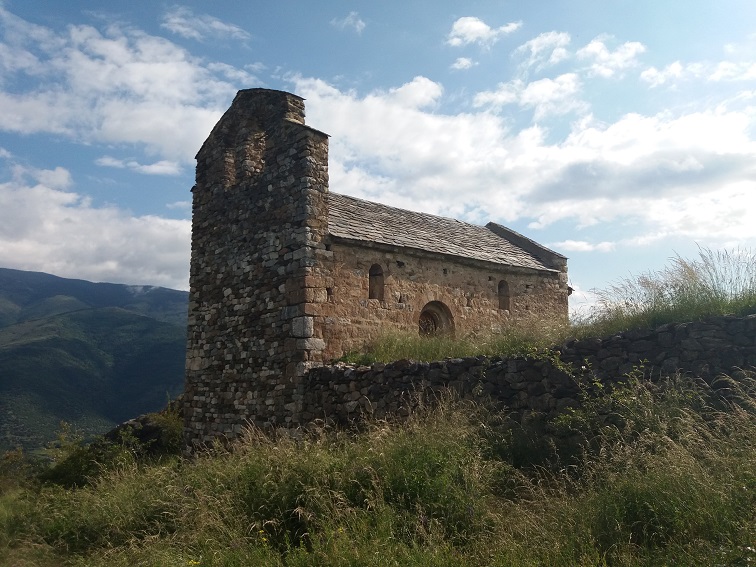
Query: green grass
(674, 485)
(519, 341)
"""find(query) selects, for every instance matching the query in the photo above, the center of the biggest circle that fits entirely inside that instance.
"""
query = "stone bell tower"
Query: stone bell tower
(259, 217)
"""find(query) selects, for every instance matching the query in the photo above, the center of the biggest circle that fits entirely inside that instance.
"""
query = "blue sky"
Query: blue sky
(618, 133)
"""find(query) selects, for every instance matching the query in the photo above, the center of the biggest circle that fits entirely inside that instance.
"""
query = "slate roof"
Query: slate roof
(360, 220)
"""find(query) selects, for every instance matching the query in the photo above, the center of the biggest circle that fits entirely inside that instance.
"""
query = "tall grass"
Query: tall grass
(526, 339)
(675, 484)
(718, 282)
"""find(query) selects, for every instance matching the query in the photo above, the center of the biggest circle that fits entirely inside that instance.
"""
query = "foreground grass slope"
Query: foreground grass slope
(674, 485)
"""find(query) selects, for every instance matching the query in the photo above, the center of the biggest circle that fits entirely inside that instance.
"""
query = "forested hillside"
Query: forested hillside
(89, 354)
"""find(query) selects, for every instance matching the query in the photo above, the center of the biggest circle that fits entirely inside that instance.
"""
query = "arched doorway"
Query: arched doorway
(436, 320)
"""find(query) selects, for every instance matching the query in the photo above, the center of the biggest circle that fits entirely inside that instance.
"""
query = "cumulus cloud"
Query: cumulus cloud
(163, 167)
(583, 246)
(463, 63)
(655, 77)
(469, 30)
(660, 175)
(732, 71)
(184, 22)
(545, 50)
(686, 172)
(545, 96)
(350, 21)
(44, 227)
(120, 86)
(606, 63)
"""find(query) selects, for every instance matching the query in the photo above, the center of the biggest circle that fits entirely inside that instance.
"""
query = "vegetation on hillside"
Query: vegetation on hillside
(89, 354)
(675, 484)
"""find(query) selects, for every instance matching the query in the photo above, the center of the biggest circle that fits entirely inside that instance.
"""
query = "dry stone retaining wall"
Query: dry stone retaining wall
(720, 345)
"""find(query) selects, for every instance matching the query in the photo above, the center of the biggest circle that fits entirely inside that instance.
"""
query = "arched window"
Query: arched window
(436, 319)
(505, 300)
(375, 286)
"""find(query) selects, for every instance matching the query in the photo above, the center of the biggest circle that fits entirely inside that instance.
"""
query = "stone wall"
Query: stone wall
(720, 345)
(347, 319)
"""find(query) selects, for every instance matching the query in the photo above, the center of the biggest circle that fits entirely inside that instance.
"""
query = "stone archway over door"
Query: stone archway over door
(435, 320)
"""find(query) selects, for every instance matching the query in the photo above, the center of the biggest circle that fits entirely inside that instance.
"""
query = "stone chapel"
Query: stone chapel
(286, 275)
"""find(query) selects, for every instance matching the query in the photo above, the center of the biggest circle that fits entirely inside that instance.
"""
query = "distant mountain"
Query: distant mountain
(90, 354)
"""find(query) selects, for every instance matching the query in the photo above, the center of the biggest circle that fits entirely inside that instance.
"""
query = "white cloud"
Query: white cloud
(351, 21)
(660, 175)
(734, 71)
(463, 63)
(545, 50)
(469, 30)
(545, 96)
(162, 167)
(45, 228)
(120, 86)
(714, 72)
(654, 77)
(583, 246)
(582, 301)
(238, 76)
(182, 21)
(180, 205)
(606, 63)
(58, 178)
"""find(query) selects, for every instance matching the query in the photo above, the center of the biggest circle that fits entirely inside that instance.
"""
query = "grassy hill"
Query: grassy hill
(89, 354)
(452, 485)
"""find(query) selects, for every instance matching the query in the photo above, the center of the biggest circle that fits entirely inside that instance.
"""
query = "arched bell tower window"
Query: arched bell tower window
(375, 286)
(505, 300)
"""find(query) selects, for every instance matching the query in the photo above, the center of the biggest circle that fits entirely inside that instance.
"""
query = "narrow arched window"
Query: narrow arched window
(375, 286)
(505, 300)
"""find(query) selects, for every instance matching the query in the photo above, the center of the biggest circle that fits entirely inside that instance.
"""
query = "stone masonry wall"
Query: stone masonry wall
(347, 319)
(720, 345)
(259, 218)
